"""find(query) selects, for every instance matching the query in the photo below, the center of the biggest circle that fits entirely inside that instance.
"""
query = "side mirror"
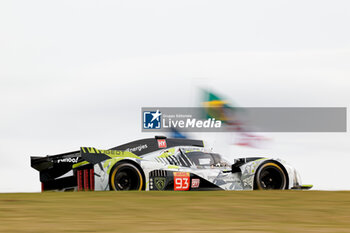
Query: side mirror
(236, 166)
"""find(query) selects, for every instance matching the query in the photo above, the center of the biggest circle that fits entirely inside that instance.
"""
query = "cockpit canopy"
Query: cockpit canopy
(205, 159)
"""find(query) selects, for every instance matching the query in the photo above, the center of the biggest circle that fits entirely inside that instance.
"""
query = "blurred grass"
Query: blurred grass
(216, 211)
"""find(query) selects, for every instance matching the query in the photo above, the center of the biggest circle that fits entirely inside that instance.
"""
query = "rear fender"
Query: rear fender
(116, 163)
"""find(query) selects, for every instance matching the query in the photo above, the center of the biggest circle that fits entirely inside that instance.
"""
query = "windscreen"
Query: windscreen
(204, 159)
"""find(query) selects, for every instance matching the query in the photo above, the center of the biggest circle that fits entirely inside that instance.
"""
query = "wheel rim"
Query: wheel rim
(126, 177)
(271, 177)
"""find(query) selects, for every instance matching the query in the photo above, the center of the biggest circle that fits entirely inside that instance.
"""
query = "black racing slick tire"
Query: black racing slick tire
(126, 176)
(270, 175)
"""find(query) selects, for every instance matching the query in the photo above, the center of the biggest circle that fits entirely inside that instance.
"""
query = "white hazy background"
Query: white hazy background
(76, 73)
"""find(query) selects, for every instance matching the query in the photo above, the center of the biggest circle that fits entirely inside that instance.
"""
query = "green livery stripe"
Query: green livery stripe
(108, 157)
(80, 164)
(307, 186)
(109, 153)
(167, 153)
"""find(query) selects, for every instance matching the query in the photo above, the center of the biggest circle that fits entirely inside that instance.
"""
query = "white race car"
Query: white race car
(161, 163)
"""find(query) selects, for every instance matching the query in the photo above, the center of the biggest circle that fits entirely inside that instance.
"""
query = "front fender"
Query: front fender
(248, 173)
(293, 176)
(249, 169)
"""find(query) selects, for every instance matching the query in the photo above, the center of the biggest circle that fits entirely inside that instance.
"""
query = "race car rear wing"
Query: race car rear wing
(55, 170)
(54, 166)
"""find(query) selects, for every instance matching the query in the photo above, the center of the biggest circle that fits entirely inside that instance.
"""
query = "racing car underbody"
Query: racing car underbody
(161, 163)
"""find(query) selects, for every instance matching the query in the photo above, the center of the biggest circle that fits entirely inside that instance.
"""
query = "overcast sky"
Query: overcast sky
(76, 73)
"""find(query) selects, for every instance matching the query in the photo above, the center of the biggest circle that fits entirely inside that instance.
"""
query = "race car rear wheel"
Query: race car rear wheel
(126, 176)
(270, 176)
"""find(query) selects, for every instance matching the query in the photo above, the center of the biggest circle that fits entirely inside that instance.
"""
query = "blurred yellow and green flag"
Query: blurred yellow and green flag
(217, 107)
(221, 109)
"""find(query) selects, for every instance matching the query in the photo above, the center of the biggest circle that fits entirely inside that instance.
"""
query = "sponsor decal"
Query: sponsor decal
(195, 183)
(162, 143)
(152, 119)
(68, 160)
(181, 181)
(160, 183)
(138, 148)
(91, 150)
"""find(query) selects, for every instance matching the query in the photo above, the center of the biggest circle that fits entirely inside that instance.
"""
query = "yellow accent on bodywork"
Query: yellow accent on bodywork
(173, 167)
(255, 165)
(167, 153)
(80, 164)
(115, 156)
(192, 150)
(260, 159)
(119, 154)
(110, 153)
(110, 163)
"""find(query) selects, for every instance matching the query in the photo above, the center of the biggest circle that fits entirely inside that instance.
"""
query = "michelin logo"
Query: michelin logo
(152, 120)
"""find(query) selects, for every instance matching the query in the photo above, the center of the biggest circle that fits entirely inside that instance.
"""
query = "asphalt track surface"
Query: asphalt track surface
(215, 211)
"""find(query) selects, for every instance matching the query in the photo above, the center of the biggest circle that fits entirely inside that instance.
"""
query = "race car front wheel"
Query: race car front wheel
(270, 176)
(126, 176)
